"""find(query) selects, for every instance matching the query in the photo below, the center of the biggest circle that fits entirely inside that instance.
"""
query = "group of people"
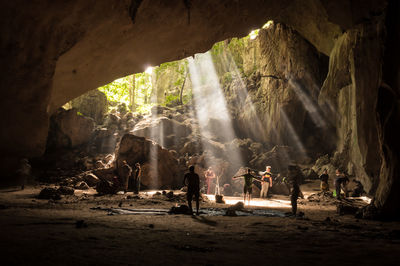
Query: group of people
(192, 181)
(265, 178)
(341, 182)
(129, 178)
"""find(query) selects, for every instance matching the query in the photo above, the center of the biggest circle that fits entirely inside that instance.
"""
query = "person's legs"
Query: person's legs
(197, 203)
(189, 197)
(266, 189)
(293, 200)
(137, 185)
(249, 190)
(262, 193)
(126, 183)
(337, 187)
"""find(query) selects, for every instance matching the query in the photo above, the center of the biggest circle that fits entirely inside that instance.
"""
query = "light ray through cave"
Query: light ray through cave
(210, 105)
(258, 126)
(308, 104)
(154, 135)
(292, 133)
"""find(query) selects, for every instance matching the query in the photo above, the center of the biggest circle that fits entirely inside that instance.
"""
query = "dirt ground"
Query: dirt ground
(74, 230)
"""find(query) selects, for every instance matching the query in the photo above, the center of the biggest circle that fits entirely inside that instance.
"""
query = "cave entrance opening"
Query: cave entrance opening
(246, 103)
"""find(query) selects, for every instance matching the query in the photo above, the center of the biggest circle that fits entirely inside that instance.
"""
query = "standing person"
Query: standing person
(209, 176)
(126, 172)
(267, 178)
(324, 177)
(136, 178)
(341, 182)
(193, 188)
(293, 179)
(248, 183)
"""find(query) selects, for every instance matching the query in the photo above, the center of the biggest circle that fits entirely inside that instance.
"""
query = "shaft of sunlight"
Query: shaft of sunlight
(308, 104)
(154, 134)
(210, 105)
(292, 133)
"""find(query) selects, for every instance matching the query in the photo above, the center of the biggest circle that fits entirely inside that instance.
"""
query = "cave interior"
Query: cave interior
(90, 87)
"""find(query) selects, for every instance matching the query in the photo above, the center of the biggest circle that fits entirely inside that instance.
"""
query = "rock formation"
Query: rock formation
(159, 168)
(92, 104)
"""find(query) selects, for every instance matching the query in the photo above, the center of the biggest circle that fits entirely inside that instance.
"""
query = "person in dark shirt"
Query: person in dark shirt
(324, 180)
(293, 179)
(341, 182)
(126, 172)
(192, 180)
(248, 183)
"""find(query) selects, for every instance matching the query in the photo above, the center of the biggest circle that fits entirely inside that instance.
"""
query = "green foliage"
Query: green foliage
(171, 100)
(227, 78)
(118, 90)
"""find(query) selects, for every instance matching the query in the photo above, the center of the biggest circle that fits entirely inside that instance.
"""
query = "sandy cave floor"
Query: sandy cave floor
(45, 232)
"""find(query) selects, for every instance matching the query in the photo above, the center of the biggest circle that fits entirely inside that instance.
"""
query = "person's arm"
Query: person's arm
(237, 176)
(270, 181)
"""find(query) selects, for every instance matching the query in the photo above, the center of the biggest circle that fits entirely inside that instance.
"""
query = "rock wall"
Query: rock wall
(350, 94)
(283, 74)
(387, 196)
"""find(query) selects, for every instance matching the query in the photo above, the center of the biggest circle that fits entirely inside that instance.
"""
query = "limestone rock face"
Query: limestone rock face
(387, 196)
(159, 167)
(69, 130)
(281, 106)
(92, 104)
(353, 77)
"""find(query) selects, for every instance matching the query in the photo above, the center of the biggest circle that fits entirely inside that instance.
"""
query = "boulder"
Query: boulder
(82, 185)
(64, 190)
(49, 193)
(68, 129)
(91, 179)
(165, 131)
(159, 167)
(104, 174)
(92, 104)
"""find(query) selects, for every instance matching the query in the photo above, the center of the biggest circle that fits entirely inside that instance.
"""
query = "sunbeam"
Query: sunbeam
(154, 135)
(210, 106)
(292, 133)
(308, 104)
